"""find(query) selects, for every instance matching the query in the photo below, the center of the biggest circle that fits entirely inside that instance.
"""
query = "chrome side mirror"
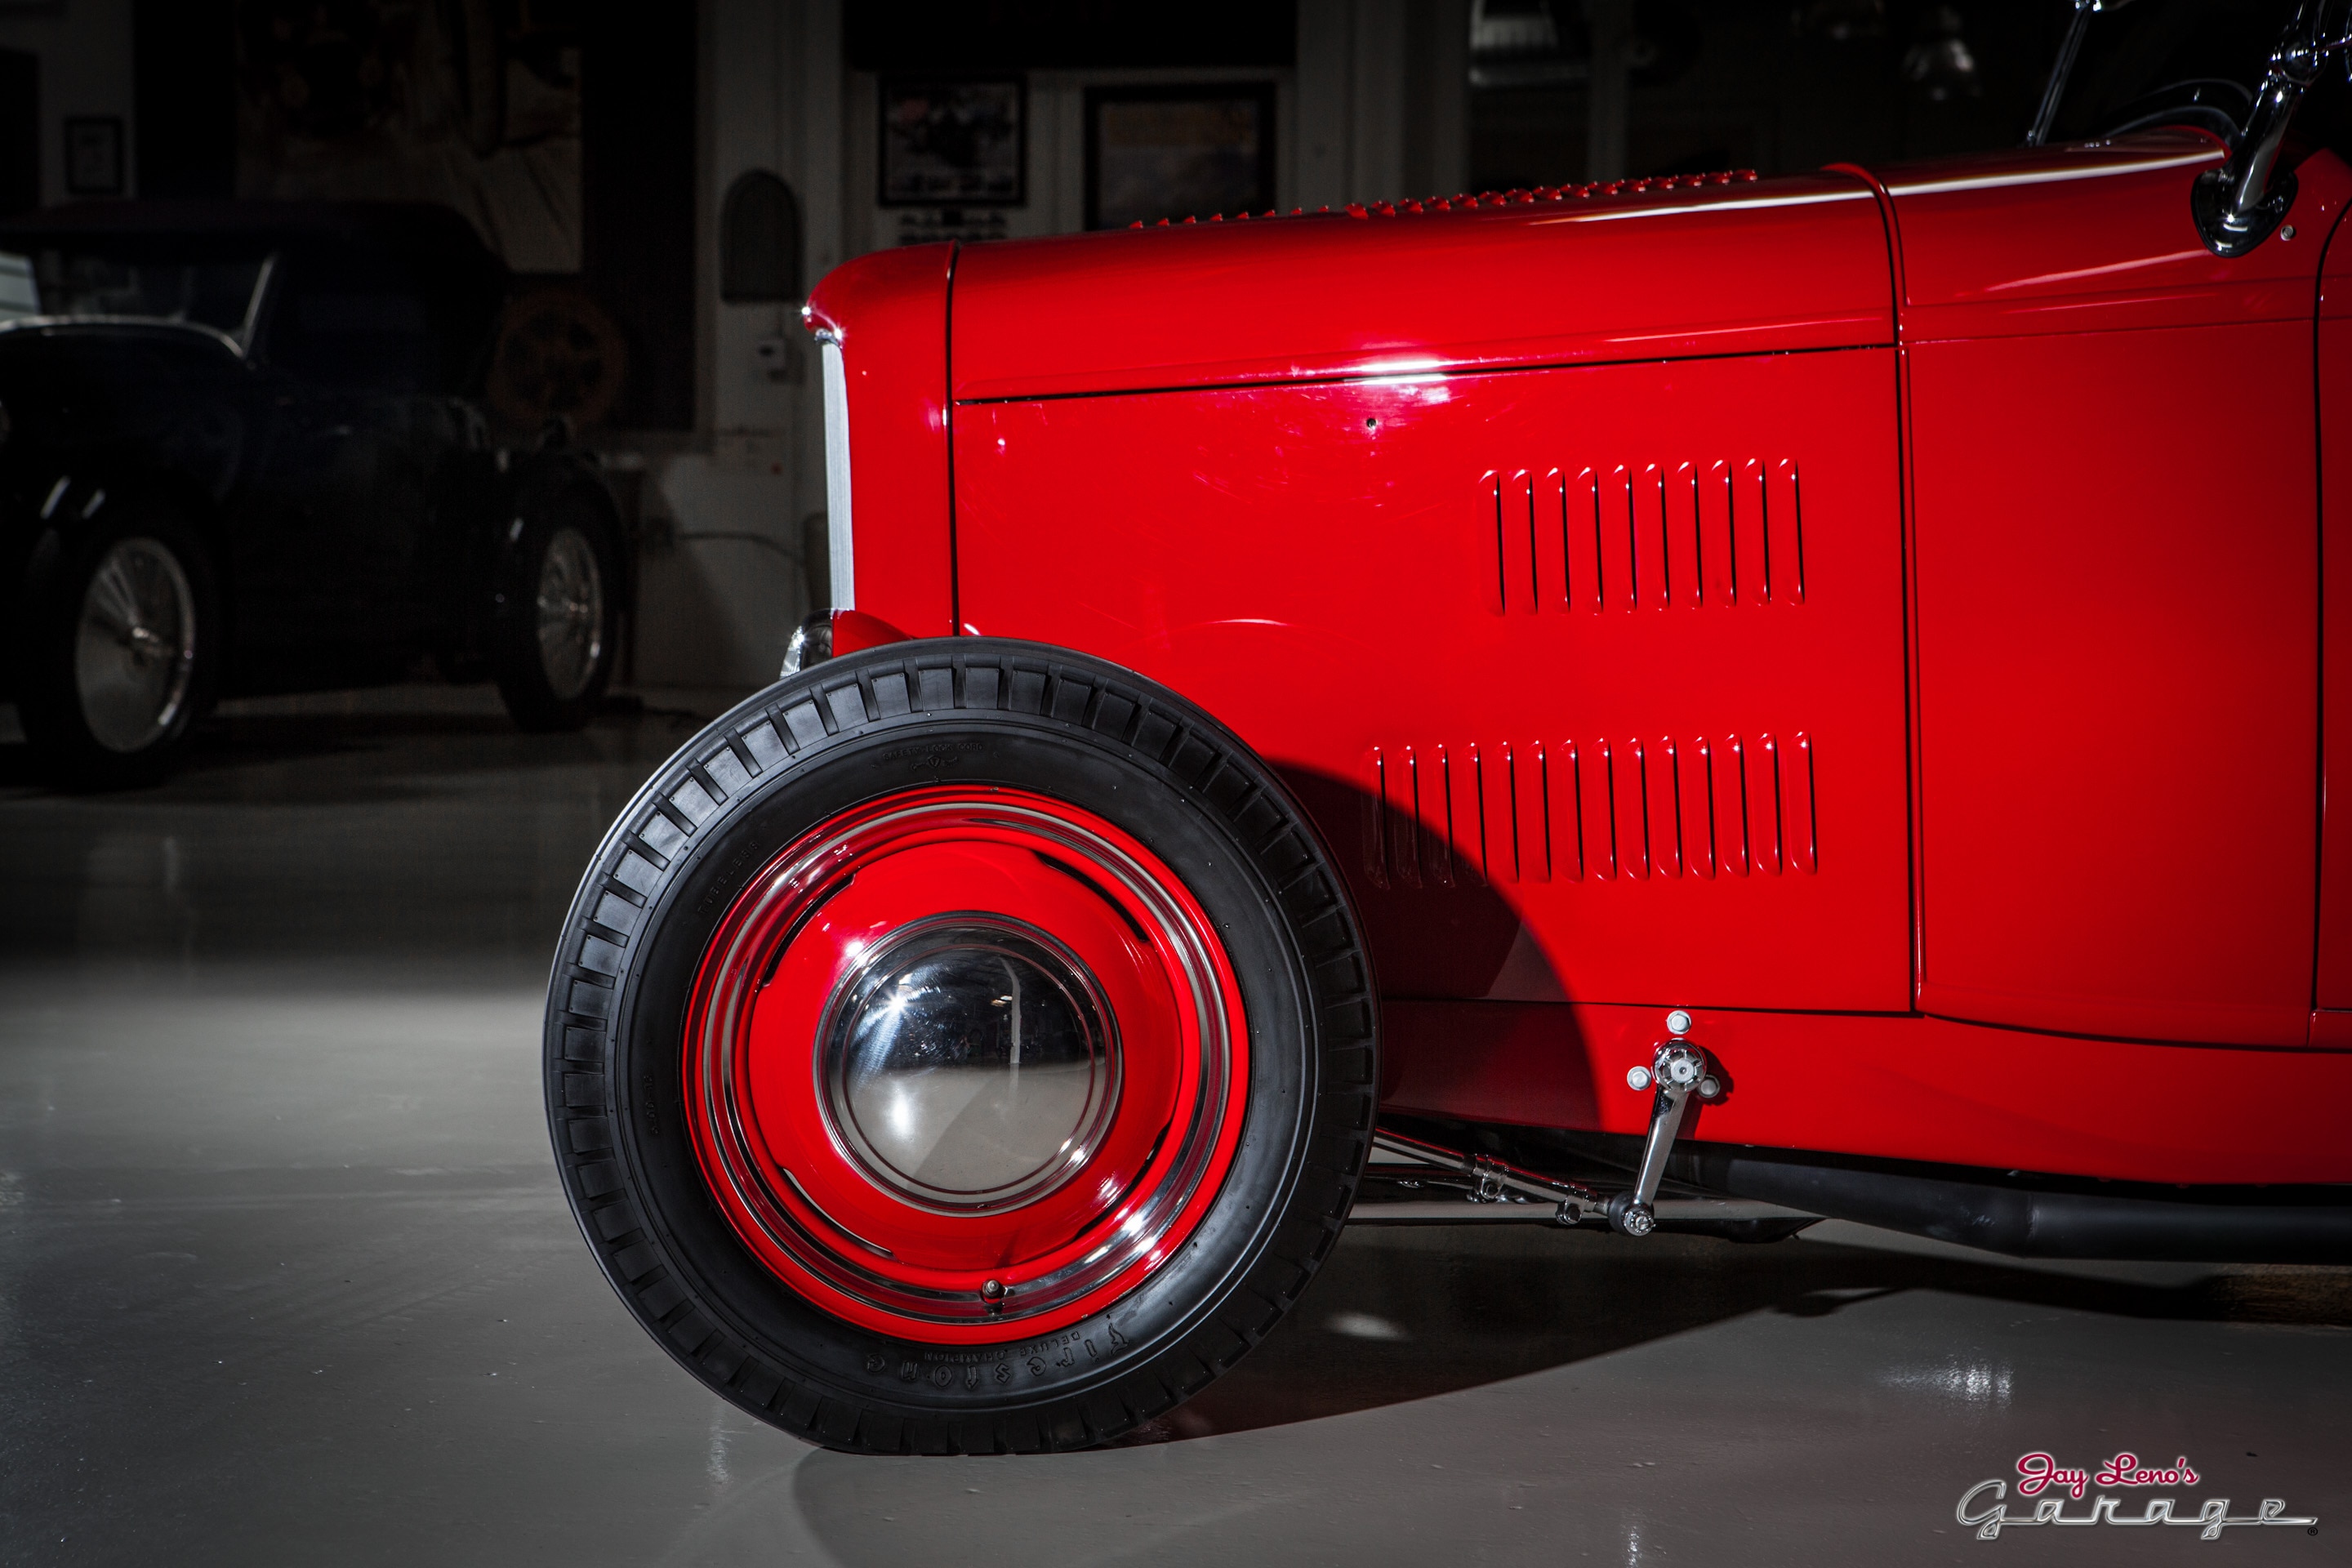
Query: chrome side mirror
(2238, 205)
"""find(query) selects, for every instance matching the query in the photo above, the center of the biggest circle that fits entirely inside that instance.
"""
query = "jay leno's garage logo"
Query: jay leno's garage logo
(2049, 1486)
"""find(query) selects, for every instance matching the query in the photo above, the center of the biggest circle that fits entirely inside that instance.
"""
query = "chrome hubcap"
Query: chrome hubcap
(135, 645)
(570, 612)
(969, 1064)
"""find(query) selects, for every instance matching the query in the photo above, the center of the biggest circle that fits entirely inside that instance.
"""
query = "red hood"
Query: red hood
(1691, 268)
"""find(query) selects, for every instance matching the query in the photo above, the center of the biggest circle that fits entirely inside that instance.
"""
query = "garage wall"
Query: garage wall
(83, 47)
(1384, 86)
(728, 570)
(1376, 106)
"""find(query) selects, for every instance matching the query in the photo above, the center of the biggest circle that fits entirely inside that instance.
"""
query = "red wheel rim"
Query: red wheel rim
(854, 1064)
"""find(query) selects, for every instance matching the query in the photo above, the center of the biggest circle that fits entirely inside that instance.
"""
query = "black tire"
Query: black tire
(988, 713)
(81, 739)
(541, 691)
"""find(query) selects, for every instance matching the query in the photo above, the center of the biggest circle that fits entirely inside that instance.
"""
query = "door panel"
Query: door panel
(2119, 643)
(1591, 677)
(2117, 586)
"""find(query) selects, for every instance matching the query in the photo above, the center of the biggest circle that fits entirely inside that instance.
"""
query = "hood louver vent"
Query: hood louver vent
(1644, 536)
(1481, 813)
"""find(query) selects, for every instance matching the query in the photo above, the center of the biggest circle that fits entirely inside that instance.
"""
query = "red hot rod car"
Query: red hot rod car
(1703, 701)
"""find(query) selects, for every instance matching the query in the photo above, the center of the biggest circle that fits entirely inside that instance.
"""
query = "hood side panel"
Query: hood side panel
(1770, 266)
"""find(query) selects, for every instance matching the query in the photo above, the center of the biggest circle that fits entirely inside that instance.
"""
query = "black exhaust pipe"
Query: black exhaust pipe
(2215, 1226)
(2020, 1214)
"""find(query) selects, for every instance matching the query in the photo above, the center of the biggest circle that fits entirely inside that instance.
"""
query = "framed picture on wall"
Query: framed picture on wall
(94, 155)
(1178, 150)
(954, 143)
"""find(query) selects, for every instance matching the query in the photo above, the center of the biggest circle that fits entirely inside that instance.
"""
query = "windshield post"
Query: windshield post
(2060, 70)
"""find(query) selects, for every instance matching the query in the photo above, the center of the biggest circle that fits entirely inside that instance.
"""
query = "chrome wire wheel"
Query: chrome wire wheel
(570, 612)
(135, 645)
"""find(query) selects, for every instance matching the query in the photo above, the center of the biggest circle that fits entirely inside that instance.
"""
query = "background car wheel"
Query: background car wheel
(555, 635)
(118, 647)
(962, 1047)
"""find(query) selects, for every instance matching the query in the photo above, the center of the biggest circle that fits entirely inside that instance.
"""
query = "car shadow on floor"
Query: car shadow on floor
(1399, 1315)
(1402, 1314)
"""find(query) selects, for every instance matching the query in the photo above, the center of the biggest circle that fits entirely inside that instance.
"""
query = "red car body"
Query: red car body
(1903, 616)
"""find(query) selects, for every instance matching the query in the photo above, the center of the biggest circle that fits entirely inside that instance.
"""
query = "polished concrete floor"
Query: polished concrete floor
(285, 1275)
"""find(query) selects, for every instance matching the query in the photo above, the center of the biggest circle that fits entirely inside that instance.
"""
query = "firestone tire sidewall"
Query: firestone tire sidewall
(615, 1080)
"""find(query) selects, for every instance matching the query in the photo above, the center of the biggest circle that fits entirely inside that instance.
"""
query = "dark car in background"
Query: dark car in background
(240, 454)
